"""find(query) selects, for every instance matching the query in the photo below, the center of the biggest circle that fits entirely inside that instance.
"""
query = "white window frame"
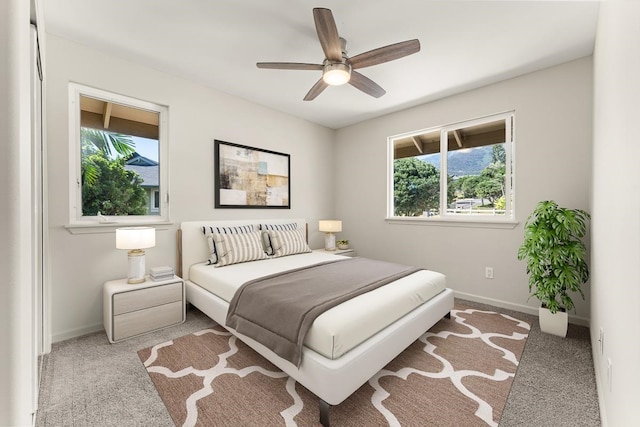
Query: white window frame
(76, 219)
(507, 221)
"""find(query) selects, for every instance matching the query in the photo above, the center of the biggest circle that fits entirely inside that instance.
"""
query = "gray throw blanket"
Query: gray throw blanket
(278, 310)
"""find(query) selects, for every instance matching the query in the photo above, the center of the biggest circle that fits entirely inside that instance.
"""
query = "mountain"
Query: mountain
(470, 161)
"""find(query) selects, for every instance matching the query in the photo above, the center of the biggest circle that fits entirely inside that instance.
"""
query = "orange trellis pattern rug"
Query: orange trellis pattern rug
(458, 373)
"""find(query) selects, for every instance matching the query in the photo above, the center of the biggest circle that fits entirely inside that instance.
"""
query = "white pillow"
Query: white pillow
(288, 242)
(210, 230)
(237, 248)
(266, 240)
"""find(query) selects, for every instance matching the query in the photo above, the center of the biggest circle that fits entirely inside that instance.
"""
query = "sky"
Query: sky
(146, 147)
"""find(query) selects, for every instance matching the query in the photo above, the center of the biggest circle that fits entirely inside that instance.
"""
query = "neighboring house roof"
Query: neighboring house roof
(146, 168)
(138, 160)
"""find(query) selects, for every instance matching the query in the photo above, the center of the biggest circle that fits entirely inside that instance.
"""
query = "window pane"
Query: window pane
(476, 163)
(458, 170)
(120, 159)
(416, 175)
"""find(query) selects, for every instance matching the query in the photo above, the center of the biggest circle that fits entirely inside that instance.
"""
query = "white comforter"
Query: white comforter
(343, 327)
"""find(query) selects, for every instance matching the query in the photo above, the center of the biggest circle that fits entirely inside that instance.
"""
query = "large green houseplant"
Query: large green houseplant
(555, 254)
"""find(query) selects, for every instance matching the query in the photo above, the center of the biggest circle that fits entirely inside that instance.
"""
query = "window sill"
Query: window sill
(455, 222)
(110, 227)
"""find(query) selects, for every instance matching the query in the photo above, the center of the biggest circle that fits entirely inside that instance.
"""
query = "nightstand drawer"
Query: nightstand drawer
(141, 321)
(139, 299)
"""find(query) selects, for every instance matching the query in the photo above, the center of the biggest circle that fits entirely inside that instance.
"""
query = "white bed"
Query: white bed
(346, 345)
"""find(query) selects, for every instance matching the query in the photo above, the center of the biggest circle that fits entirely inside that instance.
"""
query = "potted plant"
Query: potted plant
(343, 244)
(555, 256)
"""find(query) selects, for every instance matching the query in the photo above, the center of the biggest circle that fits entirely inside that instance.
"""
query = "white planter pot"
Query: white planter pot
(555, 324)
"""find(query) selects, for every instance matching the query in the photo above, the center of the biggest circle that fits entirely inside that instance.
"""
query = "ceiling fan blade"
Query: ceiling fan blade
(289, 66)
(366, 85)
(385, 54)
(327, 33)
(316, 90)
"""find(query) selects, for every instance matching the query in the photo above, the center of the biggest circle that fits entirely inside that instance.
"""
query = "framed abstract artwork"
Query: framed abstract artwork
(252, 178)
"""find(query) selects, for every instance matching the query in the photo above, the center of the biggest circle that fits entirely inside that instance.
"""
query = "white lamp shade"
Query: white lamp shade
(330, 225)
(135, 237)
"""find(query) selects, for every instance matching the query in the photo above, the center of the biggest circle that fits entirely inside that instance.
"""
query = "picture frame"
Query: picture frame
(251, 178)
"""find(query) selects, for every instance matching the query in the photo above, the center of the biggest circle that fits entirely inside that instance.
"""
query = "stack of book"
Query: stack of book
(161, 273)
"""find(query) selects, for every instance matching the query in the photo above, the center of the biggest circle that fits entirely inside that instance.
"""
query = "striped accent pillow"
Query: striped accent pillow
(288, 242)
(292, 226)
(228, 230)
(208, 231)
(266, 240)
(237, 248)
(266, 243)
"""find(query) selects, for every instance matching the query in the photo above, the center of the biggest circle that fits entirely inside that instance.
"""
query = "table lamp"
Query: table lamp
(330, 226)
(135, 239)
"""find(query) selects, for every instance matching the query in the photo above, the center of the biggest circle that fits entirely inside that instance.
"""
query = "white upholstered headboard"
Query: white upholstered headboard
(193, 247)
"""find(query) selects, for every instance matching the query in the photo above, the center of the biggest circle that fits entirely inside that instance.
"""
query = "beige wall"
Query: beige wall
(552, 160)
(553, 134)
(615, 263)
(197, 116)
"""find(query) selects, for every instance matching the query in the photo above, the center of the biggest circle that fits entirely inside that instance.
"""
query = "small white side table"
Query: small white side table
(131, 310)
(344, 252)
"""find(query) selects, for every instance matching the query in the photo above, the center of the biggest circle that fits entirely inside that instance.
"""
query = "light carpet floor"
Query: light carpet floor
(87, 381)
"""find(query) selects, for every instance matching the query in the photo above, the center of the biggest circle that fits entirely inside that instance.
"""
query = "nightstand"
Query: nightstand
(344, 252)
(131, 310)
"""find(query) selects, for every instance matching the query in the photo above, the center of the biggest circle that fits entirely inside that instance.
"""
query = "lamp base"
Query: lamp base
(136, 267)
(330, 242)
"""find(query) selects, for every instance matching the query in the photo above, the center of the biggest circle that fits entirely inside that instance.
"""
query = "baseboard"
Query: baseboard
(576, 320)
(74, 333)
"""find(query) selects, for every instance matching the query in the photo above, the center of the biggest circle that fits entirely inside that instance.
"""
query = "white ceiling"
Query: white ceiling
(465, 44)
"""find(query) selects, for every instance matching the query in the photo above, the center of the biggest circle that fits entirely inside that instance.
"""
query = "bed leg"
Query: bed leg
(448, 315)
(324, 413)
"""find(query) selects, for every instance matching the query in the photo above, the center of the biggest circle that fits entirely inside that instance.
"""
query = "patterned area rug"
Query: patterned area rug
(458, 373)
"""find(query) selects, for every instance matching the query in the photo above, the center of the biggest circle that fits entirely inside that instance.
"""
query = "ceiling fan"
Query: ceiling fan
(338, 68)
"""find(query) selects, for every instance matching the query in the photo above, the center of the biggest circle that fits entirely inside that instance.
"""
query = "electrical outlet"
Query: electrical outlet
(488, 272)
(609, 373)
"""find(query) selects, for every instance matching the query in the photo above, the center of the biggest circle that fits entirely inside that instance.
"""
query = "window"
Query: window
(462, 171)
(118, 158)
(156, 200)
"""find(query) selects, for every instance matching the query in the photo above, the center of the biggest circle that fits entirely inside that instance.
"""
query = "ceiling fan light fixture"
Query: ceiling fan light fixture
(336, 74)
(337, 67)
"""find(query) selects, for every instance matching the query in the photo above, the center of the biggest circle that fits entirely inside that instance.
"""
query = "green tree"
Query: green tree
(489, 189)
(97, 141)
(416, 187)
(114, 191)
(493, 171)
(498, 155)
(491, 180)
(468, 186)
